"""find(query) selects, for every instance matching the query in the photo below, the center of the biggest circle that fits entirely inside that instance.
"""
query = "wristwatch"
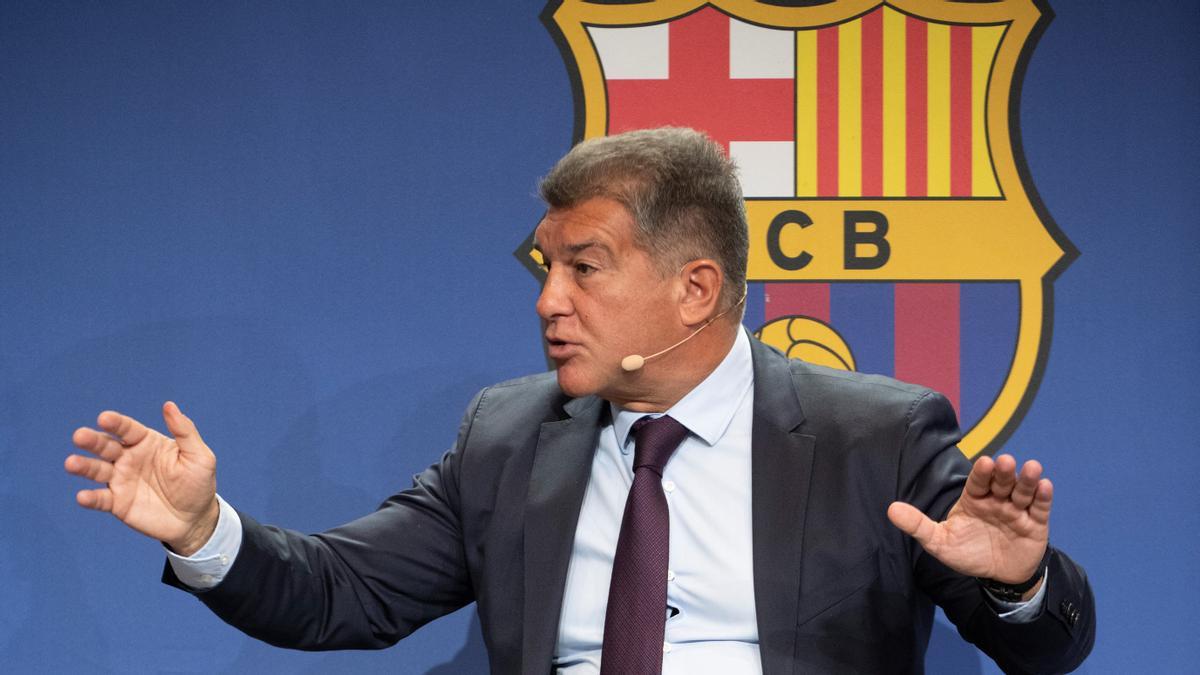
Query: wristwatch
(1013, 592)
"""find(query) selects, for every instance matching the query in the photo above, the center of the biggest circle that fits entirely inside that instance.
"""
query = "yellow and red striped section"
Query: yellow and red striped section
(889, 105)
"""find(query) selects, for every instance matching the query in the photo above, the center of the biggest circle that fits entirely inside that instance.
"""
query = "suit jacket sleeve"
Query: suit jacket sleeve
(932, 473)
(365, 584)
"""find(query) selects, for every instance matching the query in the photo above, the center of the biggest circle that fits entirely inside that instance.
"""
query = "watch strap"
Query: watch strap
(1013, 592)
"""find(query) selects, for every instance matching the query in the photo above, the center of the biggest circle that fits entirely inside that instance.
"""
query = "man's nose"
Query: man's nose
(554, 300)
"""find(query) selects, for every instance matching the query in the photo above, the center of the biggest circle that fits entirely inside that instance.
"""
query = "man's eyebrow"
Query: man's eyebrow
(573, 249)
(590, 243)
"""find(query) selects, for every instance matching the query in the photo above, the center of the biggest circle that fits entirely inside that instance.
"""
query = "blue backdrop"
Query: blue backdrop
(297, 221)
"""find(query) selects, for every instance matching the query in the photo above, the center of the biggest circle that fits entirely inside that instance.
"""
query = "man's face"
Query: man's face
(603, 298)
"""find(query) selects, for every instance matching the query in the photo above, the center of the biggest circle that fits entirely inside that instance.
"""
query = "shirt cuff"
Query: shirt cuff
(1021, 612)
(205, 568)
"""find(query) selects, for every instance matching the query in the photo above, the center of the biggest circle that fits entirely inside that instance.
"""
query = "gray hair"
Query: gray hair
(678, 185)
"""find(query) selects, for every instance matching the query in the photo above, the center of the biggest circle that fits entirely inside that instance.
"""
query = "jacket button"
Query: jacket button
(1069, 612)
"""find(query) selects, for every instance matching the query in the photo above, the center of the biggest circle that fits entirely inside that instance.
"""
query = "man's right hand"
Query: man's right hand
(163, 487)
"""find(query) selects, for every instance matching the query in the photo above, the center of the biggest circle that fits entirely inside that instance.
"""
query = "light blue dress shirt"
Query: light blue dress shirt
(711, 625)
(710, 583)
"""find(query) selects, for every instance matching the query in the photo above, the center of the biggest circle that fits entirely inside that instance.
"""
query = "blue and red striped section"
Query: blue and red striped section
(957, 338)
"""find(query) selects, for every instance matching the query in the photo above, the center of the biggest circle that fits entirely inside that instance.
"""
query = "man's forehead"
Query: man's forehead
(600, 223)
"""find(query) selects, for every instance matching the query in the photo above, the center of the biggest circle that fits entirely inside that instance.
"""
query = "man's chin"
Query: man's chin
(575, 385)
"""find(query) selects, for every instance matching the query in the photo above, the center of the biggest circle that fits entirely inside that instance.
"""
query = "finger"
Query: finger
(912, 522)
(128, 430)
(182, 428)
(102, 445)
(979, 482)
(1040, 509)
(100, 499)
(1004, 478)
(1027, 483)
(89, 467)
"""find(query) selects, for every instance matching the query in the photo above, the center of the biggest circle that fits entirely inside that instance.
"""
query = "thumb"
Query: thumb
(182, 428)
(912, 522)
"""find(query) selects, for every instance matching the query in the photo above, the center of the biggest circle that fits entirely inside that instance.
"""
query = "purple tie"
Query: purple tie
(635, 622)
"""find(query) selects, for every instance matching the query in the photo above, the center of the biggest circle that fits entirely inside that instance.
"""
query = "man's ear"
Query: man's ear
(701, 283)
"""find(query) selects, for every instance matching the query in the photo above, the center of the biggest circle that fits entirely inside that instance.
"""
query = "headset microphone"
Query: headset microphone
(635, 362)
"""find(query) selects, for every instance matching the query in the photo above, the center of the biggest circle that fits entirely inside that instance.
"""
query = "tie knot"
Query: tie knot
(656, 439)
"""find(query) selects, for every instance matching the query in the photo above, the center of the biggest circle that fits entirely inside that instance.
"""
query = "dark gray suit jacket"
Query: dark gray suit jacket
(836, 587)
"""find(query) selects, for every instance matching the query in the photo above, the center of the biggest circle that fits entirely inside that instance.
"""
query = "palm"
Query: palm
(999, 527)
(158, 492)
(160, 486)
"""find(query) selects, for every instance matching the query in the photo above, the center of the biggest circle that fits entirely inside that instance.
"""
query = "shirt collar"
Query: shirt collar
(707, 409)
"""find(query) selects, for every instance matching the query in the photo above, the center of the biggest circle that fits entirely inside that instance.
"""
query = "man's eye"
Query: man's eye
(584, 269)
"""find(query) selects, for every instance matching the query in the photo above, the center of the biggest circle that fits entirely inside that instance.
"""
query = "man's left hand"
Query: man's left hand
(999, 527)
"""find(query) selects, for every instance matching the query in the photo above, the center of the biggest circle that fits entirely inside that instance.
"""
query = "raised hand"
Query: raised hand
(160, 486)
(999, 527)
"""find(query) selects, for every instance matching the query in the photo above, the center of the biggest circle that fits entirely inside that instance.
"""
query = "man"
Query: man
(757, 538)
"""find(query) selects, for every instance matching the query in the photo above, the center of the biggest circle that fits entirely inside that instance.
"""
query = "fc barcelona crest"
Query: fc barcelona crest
(893, 225)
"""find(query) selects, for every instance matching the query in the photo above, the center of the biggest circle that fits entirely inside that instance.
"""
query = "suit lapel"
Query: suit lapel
(781, 470)
(562, 464)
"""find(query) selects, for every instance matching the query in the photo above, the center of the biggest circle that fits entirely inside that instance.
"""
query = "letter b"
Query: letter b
(876, 237)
